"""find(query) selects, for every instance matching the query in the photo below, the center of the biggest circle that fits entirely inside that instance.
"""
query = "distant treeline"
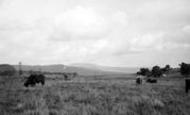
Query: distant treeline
(9, 70)
(47, 73)
(157, 71)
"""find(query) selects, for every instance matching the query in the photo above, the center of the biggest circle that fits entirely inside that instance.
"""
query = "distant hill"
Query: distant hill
(86, 69)
(107, 68)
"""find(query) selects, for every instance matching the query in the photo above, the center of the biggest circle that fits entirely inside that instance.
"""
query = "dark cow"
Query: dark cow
(139, 79)
(187, 85)
(151, 81)
(69, 76)
(66, 76)
(33, 79)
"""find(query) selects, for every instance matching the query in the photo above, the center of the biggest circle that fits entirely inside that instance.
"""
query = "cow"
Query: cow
(187, 85)
(139, 80)
(33, 79)
(151, 81)
(66, 76)
(69, 76)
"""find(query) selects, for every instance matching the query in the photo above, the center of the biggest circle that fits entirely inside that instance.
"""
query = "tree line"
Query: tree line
(157, 71)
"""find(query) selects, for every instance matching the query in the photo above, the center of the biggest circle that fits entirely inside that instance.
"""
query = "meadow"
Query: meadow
(94, 95)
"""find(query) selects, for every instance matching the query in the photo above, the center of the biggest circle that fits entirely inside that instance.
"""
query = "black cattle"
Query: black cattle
(187, 85)
(66, 76)
(33, 79)
(151, 81)
(139, 81)
(69, 76)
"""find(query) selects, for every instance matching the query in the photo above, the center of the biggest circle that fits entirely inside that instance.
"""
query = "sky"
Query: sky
(105, 32)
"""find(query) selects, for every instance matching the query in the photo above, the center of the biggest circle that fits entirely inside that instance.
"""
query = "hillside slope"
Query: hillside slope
(64, 68)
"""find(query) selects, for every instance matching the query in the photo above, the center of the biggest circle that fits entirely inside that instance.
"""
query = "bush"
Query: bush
(144, 72)
(156, 71)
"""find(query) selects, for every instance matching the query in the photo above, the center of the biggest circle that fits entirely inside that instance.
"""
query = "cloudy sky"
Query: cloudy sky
(105, 32)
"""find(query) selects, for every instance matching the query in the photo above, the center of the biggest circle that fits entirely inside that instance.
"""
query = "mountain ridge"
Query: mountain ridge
(86, 69)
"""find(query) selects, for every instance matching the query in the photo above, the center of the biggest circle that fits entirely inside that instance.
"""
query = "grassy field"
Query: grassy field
(94, 95)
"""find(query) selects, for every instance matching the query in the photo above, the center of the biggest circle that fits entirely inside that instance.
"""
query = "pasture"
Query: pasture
(94, 95)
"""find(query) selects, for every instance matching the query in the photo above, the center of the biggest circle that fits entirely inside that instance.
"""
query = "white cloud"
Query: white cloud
(80, 23)
(186, 29)
(85, 23)
(60, 31)
(147, 41)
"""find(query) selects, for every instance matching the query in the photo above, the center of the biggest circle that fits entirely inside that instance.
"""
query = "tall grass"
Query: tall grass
(115, 97)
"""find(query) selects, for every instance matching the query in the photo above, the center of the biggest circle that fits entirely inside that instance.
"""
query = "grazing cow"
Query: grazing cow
(139, 80)
(66, 76)
(151, 81)
(74, 74)
(187, 85)
(35, 78)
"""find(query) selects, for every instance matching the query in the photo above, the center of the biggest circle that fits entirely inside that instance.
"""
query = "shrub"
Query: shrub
(156, 71)
(144, 72)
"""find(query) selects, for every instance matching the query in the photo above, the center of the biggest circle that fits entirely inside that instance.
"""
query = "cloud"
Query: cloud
(146, 42)
(114, 32)
(80, 23)
(186, 29)
(80, 29)
(84, 23)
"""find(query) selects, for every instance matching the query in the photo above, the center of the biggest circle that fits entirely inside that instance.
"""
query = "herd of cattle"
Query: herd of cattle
(36, 78)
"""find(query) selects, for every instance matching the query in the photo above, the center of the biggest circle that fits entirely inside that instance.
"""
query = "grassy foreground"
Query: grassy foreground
(94, 97)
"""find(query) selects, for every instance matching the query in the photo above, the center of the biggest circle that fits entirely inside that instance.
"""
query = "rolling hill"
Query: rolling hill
(107, 68)
(82, 69)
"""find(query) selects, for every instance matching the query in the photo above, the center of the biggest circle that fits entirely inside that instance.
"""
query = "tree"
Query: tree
(7, 70)
(144, 71)
(156, 71)
(184, 69)
(166, 69)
